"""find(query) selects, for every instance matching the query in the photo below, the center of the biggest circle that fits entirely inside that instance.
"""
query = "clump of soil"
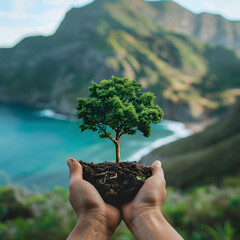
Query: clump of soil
(117, 183)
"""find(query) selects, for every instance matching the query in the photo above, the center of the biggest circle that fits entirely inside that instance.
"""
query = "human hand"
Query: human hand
(143, 215)
(150, 197)
(95, 218)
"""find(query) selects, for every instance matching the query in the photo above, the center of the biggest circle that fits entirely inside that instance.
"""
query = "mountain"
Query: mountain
(209, 28)
(204, 158)
(191, 80)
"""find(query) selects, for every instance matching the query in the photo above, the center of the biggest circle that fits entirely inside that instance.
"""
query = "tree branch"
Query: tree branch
(105, 131)
(118, 130)
(122, 134)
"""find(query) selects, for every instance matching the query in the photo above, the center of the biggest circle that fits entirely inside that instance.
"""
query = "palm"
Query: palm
(150, 197)
(85, 198)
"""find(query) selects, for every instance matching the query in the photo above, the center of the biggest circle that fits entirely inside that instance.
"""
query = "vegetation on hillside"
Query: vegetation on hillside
(114, 38)
(202, 158)
(203, 213)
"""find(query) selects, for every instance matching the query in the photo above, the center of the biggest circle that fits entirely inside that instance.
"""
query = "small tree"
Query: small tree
(117, 106)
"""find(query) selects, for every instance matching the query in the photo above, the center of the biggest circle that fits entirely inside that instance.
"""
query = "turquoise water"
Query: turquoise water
(34, 145)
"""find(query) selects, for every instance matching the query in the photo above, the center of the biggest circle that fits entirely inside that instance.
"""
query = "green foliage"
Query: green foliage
(122, 233)
(225, 232)
(119, 104)
(203, 213)
(51, 216)
(9, 208)
(140, 178)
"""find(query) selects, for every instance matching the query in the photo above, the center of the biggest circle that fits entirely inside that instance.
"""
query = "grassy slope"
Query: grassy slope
(120, 39)
(205, 157)
(25, 215)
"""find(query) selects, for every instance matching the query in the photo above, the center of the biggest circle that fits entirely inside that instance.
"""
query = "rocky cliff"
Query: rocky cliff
(209, 28)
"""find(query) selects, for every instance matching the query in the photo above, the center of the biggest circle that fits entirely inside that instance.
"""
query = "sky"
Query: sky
(22, 18)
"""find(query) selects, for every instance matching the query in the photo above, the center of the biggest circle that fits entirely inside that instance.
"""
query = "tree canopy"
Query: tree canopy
(117, 106)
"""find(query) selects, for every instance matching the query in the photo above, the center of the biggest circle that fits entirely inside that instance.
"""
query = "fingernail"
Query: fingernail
(70, 162)
(159, 163)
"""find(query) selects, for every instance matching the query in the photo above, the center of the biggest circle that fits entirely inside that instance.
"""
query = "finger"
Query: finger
(75, 168)
(157, 168)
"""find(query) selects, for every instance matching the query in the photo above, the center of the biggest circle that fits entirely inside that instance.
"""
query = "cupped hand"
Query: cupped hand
(150, 197)
(89, 206)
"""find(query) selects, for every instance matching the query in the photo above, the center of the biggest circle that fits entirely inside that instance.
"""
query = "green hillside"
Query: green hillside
(201, 214)
(191, 80)
(203, 158)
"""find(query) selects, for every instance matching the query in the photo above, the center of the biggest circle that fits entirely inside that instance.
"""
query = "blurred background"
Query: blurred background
(187, 53)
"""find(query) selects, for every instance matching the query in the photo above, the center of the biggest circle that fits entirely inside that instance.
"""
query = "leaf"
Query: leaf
(140, 178)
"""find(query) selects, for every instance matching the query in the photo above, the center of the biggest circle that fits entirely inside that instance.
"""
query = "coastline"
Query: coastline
(200, 126)
(57, 144)
(50, 113)
(193, 128)
(179, 129)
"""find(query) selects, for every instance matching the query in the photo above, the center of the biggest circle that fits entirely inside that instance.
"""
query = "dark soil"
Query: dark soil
(117, 183)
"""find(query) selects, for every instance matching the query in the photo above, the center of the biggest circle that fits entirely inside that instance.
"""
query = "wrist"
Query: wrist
(140, 215)
(145, 222)
(89, 228)
(152, 225)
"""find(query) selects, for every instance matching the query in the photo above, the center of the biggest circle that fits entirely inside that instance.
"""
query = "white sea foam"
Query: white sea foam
(49, 113)
(178, 128)
(179, 131)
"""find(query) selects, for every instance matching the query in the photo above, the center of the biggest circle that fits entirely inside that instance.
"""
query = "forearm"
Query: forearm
(85, 230)
(153, 226)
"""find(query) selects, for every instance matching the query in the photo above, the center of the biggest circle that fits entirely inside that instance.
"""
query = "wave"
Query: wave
(177, 128)
(49, 113)
(179, 131)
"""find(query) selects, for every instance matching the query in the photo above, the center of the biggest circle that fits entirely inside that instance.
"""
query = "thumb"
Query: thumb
(75, 168)
(157, 168)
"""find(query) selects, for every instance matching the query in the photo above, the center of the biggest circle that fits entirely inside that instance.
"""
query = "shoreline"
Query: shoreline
(179, 130)
(200, 126)
(50, 113)
(193, 128)
(173, 131)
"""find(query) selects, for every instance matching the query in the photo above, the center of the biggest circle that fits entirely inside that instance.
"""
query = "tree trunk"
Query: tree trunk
(117, 152)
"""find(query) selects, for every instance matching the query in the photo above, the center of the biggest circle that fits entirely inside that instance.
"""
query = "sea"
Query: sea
(36, 143)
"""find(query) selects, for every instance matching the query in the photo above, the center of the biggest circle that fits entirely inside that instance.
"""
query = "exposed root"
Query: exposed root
(100, 174)
(103, 180)
(113, 176)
